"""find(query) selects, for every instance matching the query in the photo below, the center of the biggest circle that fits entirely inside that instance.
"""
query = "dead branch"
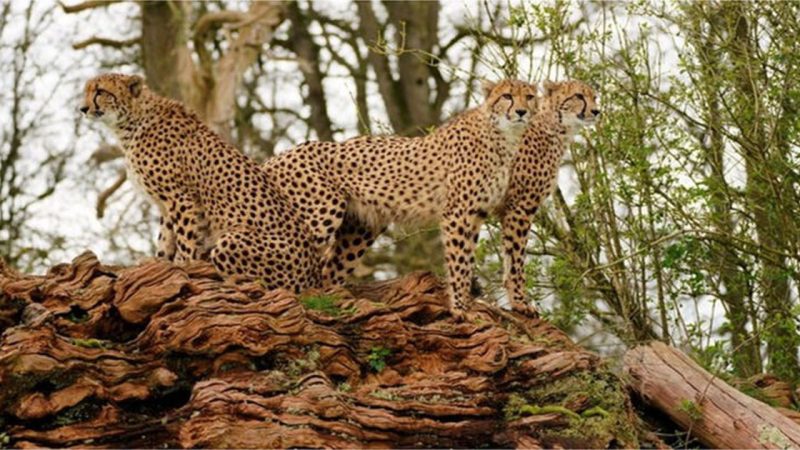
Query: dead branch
(102, 198)
(89, 4)
(106, 42)
(711, 410)
(104, 153)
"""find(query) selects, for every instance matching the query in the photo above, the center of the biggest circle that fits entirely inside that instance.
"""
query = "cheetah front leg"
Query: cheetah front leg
(353, 238)
(186, 218)
(460, 229)
(516, 224)
(166, 240)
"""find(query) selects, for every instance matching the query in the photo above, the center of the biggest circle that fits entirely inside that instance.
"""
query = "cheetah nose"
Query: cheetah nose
(522, 112)
(596, 112)
(84, 109)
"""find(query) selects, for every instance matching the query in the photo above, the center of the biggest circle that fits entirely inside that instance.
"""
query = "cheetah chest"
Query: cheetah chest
(136, 178)
(497, 186)
(499, 178)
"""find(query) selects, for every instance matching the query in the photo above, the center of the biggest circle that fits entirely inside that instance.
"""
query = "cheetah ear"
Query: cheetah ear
(549, 87)
(487, 87)
(135, 84)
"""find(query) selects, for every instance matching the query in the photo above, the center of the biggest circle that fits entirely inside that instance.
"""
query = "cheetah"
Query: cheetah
(214, 201)
(566, 108)
(349, 192)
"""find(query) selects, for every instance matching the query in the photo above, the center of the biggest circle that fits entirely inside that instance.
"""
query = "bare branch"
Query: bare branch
(89, 4)
(106, 42)
(105, 153)
(102, 198)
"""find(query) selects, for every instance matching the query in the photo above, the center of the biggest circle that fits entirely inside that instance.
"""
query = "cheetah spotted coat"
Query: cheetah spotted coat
(567, 107)
(212, 198)
(349, 192)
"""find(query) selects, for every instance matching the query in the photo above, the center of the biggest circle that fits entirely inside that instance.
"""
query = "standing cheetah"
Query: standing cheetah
(567, 106)
(349, 192)
(210, 195)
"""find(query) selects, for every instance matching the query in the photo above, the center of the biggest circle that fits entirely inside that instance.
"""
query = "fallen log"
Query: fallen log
(159, 355)
(712, 411)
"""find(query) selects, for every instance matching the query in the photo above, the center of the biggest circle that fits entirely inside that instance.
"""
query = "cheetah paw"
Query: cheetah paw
(459, 314)
(525, 309)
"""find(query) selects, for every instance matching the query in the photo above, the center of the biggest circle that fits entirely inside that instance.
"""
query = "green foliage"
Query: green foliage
(691, 409)
(685, 195)
(574, 302)
(377, 358)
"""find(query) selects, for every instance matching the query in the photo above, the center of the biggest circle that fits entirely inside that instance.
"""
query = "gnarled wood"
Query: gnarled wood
(157, 354)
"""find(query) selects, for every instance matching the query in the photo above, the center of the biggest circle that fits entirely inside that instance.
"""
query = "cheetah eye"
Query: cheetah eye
(579, 96)
(507, 96)
(529, 97)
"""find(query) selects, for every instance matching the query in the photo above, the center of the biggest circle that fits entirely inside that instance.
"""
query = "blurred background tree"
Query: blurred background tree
(675, 218)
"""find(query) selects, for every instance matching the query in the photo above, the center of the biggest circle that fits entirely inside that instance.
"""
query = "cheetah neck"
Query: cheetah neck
(143, 114)
(509, 137)
(555, 121)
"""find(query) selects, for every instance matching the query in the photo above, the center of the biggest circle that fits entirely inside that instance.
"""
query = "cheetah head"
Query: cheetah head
(511, 103)
(111, 97)
(575, 100)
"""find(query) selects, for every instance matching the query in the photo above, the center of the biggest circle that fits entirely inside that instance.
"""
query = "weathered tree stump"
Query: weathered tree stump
(714, 412)
(161, 355)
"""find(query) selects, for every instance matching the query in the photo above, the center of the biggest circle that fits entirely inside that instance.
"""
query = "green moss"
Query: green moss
(90, 343)
(595, 411)
(304, 365)
(773, 437)
(81, 412)
(77, 315)
(604, 418)
(548, 409)
(383, 395)
(326, 304)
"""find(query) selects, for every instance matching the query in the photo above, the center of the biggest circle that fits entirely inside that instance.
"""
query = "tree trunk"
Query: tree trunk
(746, 358)
(711, 410)
(163, 39)
(302, 44)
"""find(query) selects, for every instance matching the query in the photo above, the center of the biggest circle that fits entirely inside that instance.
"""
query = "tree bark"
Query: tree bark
(163, 38)
(302, 44)
(711, 410)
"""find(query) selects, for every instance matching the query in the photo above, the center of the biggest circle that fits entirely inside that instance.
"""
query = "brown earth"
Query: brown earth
(158, 355)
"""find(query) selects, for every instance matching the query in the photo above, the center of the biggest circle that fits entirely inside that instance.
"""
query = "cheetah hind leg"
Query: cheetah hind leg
(353, 239)
(277, 260)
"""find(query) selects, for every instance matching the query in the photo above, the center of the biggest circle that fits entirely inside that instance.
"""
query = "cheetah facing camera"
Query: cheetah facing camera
(566, 108)
(349, 192)
(210, 195)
